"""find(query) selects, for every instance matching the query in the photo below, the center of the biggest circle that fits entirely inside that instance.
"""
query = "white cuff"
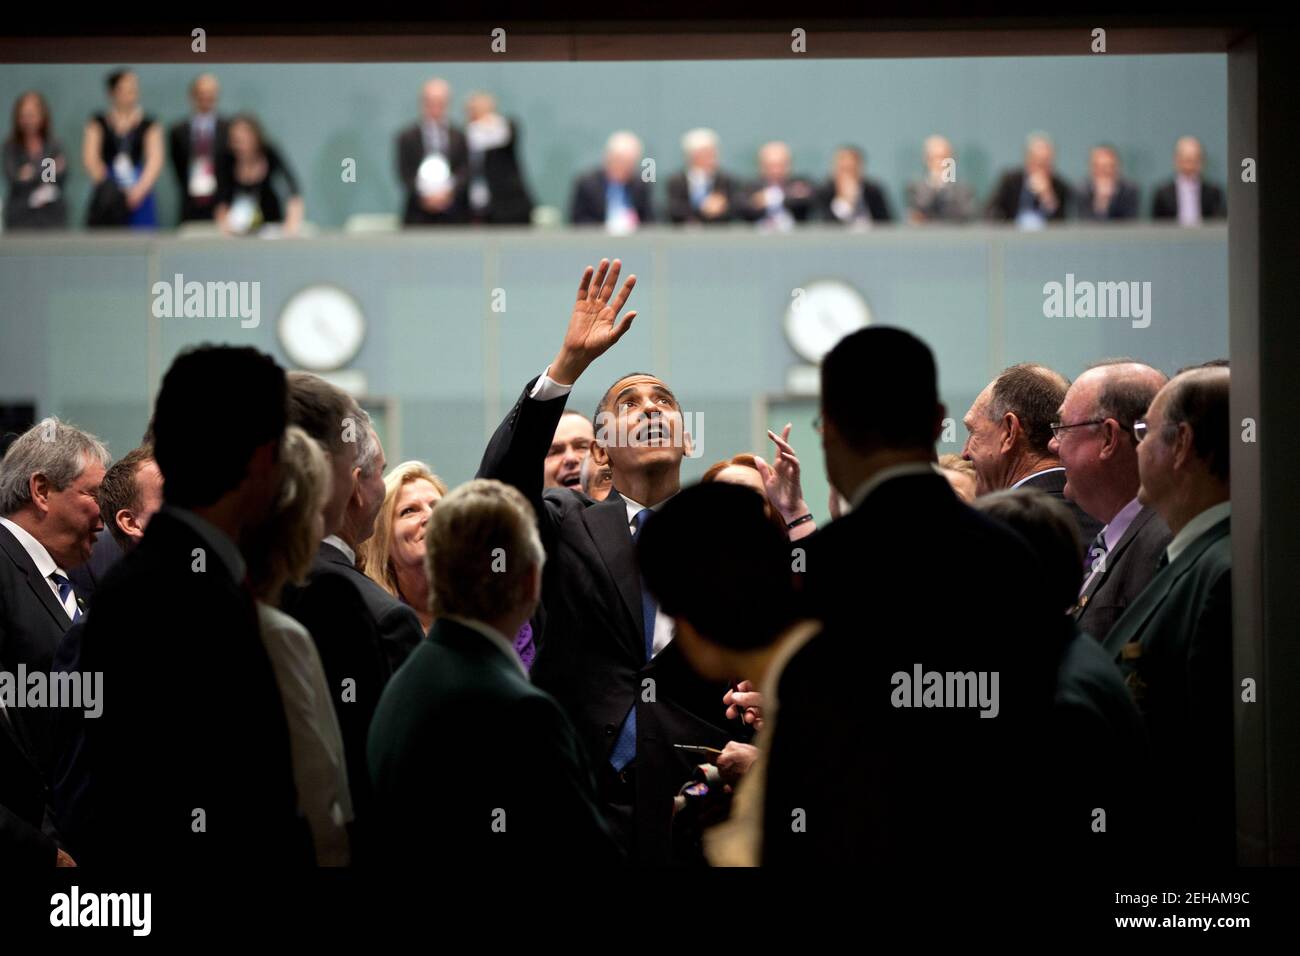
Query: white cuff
(548, 388)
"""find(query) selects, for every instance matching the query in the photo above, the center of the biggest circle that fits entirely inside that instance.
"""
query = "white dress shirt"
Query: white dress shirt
(1202, 523)
(334, 541)
(1189, 200)
(45, 564)
(1045, 471)
(320, 771)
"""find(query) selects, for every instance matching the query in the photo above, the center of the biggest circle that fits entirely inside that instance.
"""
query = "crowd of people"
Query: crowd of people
(1022, 653)
(228, 172)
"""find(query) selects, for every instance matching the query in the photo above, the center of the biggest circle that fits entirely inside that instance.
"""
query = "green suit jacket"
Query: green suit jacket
(1174, 645)
(472, 765)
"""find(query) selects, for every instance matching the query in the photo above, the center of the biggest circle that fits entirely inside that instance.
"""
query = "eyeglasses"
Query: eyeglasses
(1057, 427)
(1139, 430)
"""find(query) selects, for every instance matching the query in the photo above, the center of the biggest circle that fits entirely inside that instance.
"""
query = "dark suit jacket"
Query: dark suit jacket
(1123, 202)
(679, 199)
(1053, 482)
(902, 580)
(509, 200)
(1165, 206)
(1125, 573)
(1100, 759)
(588, 203)
(31, 624)
(363, 634)
(192, 716)
(86, 577)
(410, 154)
(800, 199)
(1174, 644)
(1004, 204)
(461, 740)
(180, 146)
(592, 656)
(872, 195)
(26, 840)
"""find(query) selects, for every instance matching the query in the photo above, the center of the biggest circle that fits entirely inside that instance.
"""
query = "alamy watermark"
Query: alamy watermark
(179, 299)
(1098, 300)
(923, 688)
(37, 689)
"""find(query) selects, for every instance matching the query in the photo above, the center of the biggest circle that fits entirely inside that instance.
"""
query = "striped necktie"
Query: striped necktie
(66, 597)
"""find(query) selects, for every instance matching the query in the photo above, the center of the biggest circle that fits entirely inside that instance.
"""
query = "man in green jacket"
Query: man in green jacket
(471, 764)
(1174, 643)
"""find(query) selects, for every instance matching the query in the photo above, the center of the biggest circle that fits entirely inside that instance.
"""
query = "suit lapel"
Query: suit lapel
(18, 554)
(1130, 626)
(607, 524)
(1112, 557)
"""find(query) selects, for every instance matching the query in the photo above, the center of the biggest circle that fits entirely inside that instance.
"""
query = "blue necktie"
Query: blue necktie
(65, 588)
(625, 747)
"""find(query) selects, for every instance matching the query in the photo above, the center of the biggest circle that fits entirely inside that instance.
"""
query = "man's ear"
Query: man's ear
(125, 519)
(266, 457)
(599, 454)
(41, 489)
(355, 496)
(687, 448)
(1182, 446)
(1110, 439)
(1012, 426)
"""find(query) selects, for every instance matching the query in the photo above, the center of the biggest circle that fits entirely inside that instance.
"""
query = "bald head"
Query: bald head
(1099, 452)
(622, 154)
(1188, 156)
(204, 92)
(434, 97)
(774, 161)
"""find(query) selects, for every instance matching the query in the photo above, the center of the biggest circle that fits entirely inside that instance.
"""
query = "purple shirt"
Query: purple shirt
(1189, 200)
(524, 645)
(1111, 534)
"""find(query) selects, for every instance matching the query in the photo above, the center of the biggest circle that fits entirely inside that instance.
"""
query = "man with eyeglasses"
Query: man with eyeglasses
(1093, 437)
(1174, 643)
(1009, 430)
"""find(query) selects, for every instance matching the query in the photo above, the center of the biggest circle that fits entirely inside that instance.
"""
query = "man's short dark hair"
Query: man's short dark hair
(1199, 397)
(880, 389)
(217, 405)
(120, 489)
(322, 410)
(1050, 531)
(609, 392)
(1033, 393)
(713, 558)
(1212, 363)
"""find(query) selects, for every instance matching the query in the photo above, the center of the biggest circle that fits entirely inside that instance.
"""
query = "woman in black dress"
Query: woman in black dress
(250, 197)
(36, 168)
(126, 144)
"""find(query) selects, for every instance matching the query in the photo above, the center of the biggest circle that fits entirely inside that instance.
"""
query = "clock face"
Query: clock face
(322, 328)
(828, 310)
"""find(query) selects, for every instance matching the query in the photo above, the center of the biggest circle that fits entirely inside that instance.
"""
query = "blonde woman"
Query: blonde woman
(394, 556)
(282, 552)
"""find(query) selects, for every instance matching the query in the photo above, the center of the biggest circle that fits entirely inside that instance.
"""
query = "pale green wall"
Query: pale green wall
(79, 338)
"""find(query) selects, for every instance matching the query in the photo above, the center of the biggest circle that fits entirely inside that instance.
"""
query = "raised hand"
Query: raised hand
(781, 478)
(594, 324)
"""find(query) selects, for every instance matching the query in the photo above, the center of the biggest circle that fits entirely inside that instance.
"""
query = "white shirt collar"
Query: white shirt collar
(1202, 523)
(334, 541)
(40, 557)
(634, 508)
(884, 475)
(214, 538)
(492, 634)
(1045, 471)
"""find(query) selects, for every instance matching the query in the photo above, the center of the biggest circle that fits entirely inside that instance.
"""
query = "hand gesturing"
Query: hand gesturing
(594, 325)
